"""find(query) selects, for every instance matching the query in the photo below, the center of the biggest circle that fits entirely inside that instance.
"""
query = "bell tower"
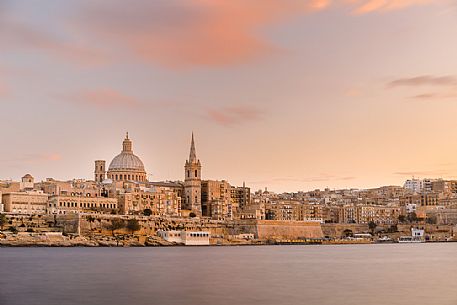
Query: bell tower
(100, 170)
(192, 182)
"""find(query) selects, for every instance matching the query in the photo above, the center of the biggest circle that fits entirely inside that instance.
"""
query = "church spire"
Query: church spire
(193, 154)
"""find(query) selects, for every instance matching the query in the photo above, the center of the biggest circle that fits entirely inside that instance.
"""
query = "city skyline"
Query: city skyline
(297, 96)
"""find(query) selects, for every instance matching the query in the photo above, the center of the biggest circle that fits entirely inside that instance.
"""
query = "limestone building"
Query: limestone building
(75, 204)
(28, 202)
(217, 199)
(192, 182)
(124, 167)
(160, 200)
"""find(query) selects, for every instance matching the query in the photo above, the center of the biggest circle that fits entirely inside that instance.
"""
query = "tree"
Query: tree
(412, 217)
(348, 233)
(402, 218)
(392, 229)
(3, 220)
(133, 225)
(115, 224)
(147, 212)
(432, 220)
(372, 226)
(90, 219)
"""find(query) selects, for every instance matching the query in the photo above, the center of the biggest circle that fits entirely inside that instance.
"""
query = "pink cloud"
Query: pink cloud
(21, 35)
(35, 158)
(435, 96)
(175, 34)
(370, 6)
(195, 33)
(234, 115)
(102, 98)
(180, 35)
(424, 80)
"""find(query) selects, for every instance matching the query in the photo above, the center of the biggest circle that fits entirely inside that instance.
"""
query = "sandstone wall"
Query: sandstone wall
(336, 230)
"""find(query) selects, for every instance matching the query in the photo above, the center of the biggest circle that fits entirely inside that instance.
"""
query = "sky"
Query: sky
(285, 94)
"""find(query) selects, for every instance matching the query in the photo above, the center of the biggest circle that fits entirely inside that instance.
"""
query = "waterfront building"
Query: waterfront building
(135, 198)
(364, 214)
(217, 199)
(195, 238)
(26, 202)
(192, 182)
(74, 204)
(253, 211)
(188, 238)
(241, 196)
(171, 236)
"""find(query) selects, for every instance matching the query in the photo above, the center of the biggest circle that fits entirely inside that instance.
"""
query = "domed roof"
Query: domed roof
(126, 160)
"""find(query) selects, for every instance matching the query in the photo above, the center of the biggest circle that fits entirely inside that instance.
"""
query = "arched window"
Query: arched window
(196, 173)
(188, 174)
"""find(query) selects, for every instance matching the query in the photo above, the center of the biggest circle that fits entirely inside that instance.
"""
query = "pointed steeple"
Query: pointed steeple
(193, 154)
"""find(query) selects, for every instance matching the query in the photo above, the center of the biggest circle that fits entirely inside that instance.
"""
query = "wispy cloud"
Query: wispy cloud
(192, 33)
(370, 6)
(17, 34)
(320, 178)
(353, 92)
(102, 98)
(35, 158)
(205, 32)
(424, 80)
(174, 34)
(234, 115)
(438, 87)
(435, 96)
(425, 173)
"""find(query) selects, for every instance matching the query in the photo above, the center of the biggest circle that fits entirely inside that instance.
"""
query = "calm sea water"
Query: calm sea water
(349, 274)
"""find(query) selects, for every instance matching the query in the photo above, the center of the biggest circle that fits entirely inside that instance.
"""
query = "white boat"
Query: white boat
(411, 239)
(417, 236)
(385, 240)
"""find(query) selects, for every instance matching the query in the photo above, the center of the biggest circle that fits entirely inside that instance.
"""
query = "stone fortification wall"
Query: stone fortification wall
(336, 230)
(275, 229)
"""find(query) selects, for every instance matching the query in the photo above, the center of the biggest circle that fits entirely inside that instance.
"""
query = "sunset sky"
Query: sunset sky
(285, 94)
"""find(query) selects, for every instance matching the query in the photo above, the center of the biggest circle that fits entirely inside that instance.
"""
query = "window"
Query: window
(196, 173)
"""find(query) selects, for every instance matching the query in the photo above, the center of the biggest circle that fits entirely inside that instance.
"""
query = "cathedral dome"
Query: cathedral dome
(127, 166)
(126, 161)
